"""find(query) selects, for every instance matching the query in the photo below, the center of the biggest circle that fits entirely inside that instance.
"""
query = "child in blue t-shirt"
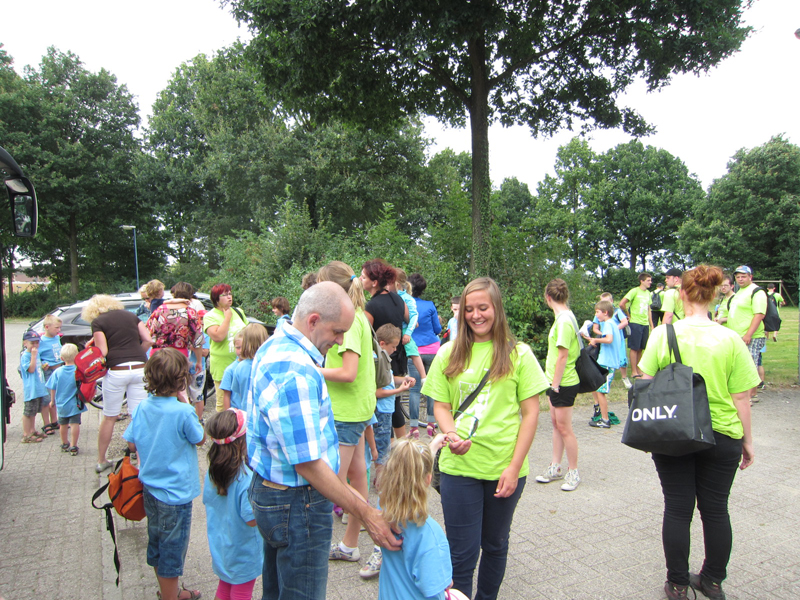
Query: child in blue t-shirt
(608, 358)
(50, 355)
(226, 385)
(64, 396)
(253, 336)
(620, 320)
(421, 569)
(37, 399)
(165, 433)
(237, 550)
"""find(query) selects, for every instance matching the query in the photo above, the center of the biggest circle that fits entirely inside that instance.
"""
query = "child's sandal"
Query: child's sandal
(74, 451)
(65, 447)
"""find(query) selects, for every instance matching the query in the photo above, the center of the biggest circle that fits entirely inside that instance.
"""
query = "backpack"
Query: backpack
(383, 363)
(125, 491)
(655, 302)
(90, 364)
(772, 321)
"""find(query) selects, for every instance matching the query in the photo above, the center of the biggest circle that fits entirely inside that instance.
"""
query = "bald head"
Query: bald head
(324, 313)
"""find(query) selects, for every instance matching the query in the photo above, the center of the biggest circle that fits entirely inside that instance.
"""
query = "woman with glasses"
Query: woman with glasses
(485, 465)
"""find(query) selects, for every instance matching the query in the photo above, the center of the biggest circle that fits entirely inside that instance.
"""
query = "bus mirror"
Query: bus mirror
(23, 206)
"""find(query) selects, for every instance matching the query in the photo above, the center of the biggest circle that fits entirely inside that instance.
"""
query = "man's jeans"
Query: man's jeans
(414, 392)
(296, 525)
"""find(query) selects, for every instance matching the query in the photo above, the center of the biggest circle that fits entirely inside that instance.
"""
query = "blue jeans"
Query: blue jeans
(413, 393)
(383, 435)
(168, 527)
(707, 477)
(296, 525)
(477, 521)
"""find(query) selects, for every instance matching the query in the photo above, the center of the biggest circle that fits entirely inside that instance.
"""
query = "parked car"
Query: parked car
(74, 330)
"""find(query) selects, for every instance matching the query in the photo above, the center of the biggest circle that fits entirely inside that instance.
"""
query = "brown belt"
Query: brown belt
(127, 367)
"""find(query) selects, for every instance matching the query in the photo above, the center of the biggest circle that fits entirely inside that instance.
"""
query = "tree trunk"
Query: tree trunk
(633, 259)
(73, 255)
(480, 259)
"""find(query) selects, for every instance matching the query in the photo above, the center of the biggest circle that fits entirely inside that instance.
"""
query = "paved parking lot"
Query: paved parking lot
(601, 541)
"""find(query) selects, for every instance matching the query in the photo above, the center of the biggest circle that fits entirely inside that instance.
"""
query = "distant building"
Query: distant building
(24, 283)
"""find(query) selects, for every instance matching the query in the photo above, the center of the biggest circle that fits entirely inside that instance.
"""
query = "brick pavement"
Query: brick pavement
(601, 541)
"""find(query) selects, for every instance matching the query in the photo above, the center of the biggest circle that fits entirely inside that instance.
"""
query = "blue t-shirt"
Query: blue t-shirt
(32, 383)
(227, 376)
(386, 405)
(50, 350)
(240, 383)
(452, 325)
(165, 432)
(421, 569)
(618, 344)
(237, 550)
(609, 355)
(63, 382)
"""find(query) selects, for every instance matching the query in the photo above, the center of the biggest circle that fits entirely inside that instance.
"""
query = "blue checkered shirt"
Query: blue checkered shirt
(289, 415)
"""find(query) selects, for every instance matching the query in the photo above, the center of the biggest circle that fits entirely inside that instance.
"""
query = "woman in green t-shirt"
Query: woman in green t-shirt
(485, 467)
(704, 478)
(350, 376)
(562, 353)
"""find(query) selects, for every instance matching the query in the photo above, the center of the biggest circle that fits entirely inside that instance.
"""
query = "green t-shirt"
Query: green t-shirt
(639, 306)
(496, 408)
(354, 402)
(672, 303)
(778, 301)
(221, 354)
(719, 355)
(722, 310)
(743, 306)
(562, 334)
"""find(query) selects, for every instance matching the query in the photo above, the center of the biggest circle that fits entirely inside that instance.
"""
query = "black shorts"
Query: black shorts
(564, 397)
(639, 336)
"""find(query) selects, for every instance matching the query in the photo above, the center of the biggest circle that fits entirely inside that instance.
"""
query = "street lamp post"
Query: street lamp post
(135, 250)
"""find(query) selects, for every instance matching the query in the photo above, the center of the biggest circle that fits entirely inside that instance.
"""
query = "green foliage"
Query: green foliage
(37, 302)
(619, 282)
(751, 215)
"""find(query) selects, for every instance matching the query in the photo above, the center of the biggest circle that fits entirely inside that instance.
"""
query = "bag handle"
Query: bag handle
(109, 519)
(672, 340)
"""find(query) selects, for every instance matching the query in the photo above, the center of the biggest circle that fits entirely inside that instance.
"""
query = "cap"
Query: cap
(30, 336)
(673, 272)
(743, 269)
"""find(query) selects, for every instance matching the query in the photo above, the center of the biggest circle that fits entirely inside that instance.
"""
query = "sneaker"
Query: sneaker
(413, 433)
(597, 414)
(373, 566)
(552, 473)
(337, 510)
(571, 481)
(627, 383)
(134, 459)
(762, 386)
(600, 423)
(676, 592)
(100, 467)
(344, 518)
(702, 584)
(337, 553)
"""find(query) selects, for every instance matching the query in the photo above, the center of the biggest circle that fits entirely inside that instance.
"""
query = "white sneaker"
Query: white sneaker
(627, 383)
(552, 473)
(373, 566)
(571, 481)
(337, 553)
(344, 519)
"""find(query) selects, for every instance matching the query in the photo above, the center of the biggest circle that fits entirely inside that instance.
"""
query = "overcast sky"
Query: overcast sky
(702, 120)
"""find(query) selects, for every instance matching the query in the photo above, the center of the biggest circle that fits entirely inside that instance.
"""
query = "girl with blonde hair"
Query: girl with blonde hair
(485, 467)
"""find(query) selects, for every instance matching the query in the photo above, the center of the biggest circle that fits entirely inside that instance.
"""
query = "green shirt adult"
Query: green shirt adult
(354, 402)
(496, 408)
(221, 354)
(562, 334)
(722, 310)
(719, 355)
(672, 303)
(743, 306)
(639, 306)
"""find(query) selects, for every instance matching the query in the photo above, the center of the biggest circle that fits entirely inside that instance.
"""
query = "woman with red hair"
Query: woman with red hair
(222, 323)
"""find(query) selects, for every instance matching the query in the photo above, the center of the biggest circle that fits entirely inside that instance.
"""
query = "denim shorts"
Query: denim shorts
(350, 433)
(383, 435)
(168, 529)
(72, 420)
(33, 407)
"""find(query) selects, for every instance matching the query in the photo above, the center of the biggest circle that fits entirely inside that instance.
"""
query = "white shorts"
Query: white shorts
(118, 384)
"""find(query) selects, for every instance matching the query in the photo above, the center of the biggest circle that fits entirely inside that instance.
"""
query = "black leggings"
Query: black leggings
(398, 420)
(707, 477)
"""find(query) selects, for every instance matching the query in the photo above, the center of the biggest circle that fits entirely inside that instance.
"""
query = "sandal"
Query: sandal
(38, 434)
(431, 430)
(30, 439)
(65, 447)
(51, 428)
(193, 594)
(74, 451)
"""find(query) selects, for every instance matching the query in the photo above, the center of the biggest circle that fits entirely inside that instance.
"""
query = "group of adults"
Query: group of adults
(313, 393)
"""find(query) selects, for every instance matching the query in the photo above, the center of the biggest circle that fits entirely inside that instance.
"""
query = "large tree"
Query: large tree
(752, 213)
(543, 63)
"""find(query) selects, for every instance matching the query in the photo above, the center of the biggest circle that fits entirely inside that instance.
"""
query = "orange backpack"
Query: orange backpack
(126, 493)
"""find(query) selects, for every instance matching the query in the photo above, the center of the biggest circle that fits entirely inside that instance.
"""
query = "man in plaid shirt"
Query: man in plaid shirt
(294, 451)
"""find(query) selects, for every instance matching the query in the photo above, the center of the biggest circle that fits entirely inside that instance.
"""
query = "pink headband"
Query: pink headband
(241, 427)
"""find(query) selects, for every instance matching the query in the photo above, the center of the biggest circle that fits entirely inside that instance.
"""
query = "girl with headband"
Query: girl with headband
(237, 554)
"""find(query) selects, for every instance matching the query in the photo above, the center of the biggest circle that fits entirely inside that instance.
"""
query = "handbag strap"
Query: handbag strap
(672, 340)
(468, 400)
(577, 331)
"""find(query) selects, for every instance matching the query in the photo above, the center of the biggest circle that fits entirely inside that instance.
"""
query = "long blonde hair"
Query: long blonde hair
(404, 483)
(341, 273)
(504, 342)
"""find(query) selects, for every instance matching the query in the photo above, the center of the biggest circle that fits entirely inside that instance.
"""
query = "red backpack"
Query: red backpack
(90, 366)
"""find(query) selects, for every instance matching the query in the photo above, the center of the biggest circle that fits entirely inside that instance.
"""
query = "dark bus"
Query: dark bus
(24, 215)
